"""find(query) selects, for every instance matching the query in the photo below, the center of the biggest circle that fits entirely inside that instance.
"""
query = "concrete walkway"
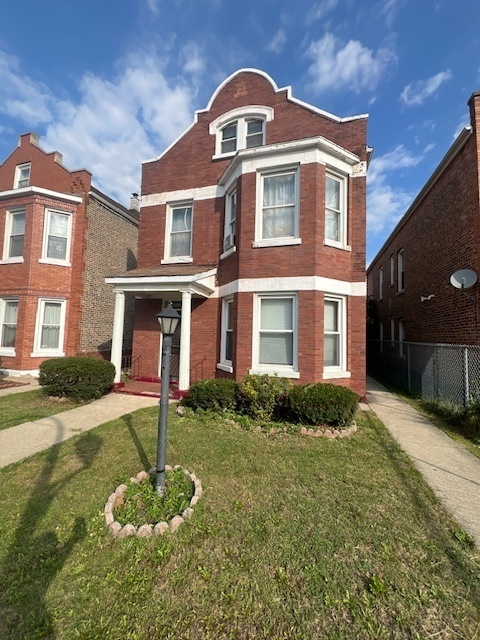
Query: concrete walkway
(27, 383)
(28, 438)
(451, 471)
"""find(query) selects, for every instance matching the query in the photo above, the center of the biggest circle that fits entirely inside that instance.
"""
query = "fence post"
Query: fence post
(466, 387)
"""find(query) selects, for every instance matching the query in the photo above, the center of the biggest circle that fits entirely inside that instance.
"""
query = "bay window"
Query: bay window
(335, 336)
(335, 210)
(14, 235)
(277, 215)
(8, 326)
(49, 329)
(56, 238)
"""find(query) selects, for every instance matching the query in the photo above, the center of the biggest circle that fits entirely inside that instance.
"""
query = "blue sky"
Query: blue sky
(110, 83)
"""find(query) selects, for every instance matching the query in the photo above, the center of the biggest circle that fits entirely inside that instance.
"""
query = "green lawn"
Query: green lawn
(26, 406)
(295, 538)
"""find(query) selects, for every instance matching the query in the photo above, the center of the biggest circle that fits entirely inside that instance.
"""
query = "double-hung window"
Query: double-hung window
(244, 133)
(392, 270)
(22, 176)
(400, 271)
(230, 219)
(179, 233)
(334, 328)
(226, 344)
(14, 235)
(335, 210)
(380, 283)
(229, 138)
(8, 326)
(254, 132)
(275, 345)
(49, 330)
(277, 218)
(56, 237)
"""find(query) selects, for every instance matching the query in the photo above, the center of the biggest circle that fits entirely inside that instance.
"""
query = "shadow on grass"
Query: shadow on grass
(451, 544)
(142, 454)
(36, 556)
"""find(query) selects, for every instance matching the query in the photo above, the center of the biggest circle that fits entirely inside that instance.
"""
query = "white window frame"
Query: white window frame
(18, 180)
(340, 370)
(286, 240)
(400, 272)
(392, 270)
(171, 207)
(38, 352)
(6, 351)
(230, 227)
(392, 332)
(11, 213)
(65, 262)
(241, 116)
(283, 371)
(380, 283)
(342, 242)
(226, 364)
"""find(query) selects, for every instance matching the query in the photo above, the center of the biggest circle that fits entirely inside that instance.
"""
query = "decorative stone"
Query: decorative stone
(303, 431)
(121, 488)
(180, 410)
(177, 466)
(160, 528)
(336, 433)
(133, 480)
(175, 523)
(194, 500)
(126, 531)
(141, 475)
(109, 519)
(328, 434)
(198, 491)
(168, 467)
(145, 531)
(110, 503)
(317, 433)
(119, 500)
(192, 477)
(115, 527)
(188, 513)
(310, 431)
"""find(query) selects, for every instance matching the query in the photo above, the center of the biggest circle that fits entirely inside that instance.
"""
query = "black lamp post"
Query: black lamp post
(168, 320)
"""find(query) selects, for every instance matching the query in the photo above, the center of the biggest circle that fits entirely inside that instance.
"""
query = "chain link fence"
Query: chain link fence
(445, 372)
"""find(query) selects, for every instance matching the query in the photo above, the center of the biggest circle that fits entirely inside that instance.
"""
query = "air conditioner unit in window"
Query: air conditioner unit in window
(228, 242)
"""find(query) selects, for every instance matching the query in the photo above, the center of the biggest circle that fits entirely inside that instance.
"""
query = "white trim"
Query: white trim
(276, 242)
(7, 351)
(284, 371)
(228, 252)
(18, 171)
(335, 375)
(225, 365)
(38, 352)
(199, 193)
(340, 370)
(65, 262)
(10, 214)
(342, 209)
(261, 176)
(294, 283)
(239, 116)
(168, 258)
(181, 260)
(40, 191)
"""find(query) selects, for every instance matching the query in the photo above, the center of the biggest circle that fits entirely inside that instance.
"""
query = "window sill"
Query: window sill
(12, 260)
(225, 367)
(47, 354)
(399, 293)
(228, 252)
(7, 352)
(337, 245)
(281, 373)
(333, 374)
(57, 263)
(276, 242)
(176, 260)
(223, 156)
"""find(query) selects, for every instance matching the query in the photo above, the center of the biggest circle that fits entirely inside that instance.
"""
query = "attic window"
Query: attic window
(242, 128)
(22, 176)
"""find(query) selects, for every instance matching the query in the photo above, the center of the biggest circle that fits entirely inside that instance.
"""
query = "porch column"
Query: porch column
(117, 338)
(184, 372)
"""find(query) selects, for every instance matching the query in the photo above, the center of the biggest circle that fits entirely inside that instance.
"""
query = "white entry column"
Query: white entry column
(184, 367)
(117, 338)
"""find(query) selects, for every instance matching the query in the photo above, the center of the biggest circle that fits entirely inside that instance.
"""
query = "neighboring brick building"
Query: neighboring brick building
(409, 279)
(253, 223)
(60, 238)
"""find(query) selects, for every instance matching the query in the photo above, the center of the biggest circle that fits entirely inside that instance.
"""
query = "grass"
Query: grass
(295, 538)
(16, 408)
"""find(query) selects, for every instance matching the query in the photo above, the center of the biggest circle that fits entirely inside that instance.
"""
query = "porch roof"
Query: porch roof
(199, 279)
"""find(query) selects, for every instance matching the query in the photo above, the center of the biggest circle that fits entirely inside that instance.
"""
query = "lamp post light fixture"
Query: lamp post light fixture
(168, 320)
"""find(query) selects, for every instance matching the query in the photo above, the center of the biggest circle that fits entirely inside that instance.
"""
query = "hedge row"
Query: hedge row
(76, 377)
(267, 398)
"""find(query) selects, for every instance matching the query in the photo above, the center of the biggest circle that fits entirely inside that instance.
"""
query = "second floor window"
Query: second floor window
(180, 242)
(335, 210)
(14, 235)
(56, 237)
(279, 217)
(380, 283)
(400, 271)
(22, 176)
(230, 219)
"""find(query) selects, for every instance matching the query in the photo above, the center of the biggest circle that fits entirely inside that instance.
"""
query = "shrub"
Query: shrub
(215, 395)
(326, 404)
(263, 397)
(76, 377)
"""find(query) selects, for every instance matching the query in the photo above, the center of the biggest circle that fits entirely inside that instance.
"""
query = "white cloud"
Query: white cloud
(319, 10)
(153, 5)
(277, 42)
(416, 93)
(353, 66)
(386, 203)
(115, 124)
(389, 10)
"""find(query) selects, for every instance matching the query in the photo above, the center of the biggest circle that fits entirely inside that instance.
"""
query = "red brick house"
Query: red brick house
(253, 224)
(409, 279)
(59, 238)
